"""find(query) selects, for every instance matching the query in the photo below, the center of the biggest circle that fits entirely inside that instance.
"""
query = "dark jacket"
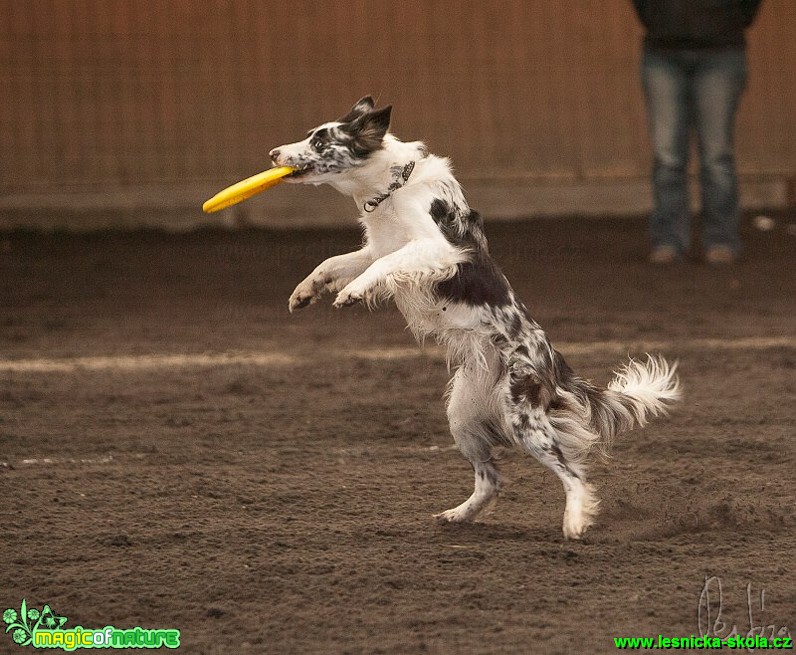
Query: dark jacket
(695, 24)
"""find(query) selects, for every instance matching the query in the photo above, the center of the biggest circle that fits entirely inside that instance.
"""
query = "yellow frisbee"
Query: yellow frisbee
(246, 188)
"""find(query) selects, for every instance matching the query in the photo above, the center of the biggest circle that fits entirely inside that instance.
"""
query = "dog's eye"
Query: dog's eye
(317, 145)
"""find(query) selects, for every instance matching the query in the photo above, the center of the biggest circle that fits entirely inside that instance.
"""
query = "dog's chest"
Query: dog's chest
(385, 233)
(427, 315)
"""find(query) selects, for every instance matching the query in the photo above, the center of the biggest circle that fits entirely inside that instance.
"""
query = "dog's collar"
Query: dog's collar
(400, 177)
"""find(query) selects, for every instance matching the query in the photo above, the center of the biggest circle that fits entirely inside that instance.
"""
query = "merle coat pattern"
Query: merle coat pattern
(426, 249)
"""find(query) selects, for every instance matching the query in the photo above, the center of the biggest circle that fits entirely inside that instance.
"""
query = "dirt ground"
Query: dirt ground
(272, 491)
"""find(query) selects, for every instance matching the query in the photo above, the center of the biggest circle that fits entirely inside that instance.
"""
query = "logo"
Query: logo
(45, 629)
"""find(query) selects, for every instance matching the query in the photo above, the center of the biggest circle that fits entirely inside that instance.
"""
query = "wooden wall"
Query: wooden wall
(120, 94)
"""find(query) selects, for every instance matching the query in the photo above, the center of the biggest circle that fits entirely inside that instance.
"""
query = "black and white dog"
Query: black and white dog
(426, 249)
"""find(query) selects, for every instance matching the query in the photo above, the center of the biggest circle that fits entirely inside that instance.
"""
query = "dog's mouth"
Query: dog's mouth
(300, 172)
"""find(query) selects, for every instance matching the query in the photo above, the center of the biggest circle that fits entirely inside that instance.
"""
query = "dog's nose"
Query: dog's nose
(274, 154)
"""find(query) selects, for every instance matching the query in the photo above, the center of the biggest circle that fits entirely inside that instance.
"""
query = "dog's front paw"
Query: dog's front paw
(303, 296)
(349, 296)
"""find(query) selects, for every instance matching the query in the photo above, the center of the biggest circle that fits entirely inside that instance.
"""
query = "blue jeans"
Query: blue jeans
(688, 89)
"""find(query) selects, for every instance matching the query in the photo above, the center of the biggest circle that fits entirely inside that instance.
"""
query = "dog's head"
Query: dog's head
(338, 146)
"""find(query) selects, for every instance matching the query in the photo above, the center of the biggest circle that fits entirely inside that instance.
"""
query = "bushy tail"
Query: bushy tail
(640, 390)
(646, 388)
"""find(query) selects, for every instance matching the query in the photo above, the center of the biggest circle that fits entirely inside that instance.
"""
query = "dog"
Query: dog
(425, 249)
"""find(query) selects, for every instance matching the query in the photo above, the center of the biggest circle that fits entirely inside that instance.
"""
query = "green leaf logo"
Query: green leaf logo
(24, 624)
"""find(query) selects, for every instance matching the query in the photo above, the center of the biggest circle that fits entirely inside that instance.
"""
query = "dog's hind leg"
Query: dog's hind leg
(538, 437)
(487, 486)
(581, 503)
(475, 436)
(527, 400)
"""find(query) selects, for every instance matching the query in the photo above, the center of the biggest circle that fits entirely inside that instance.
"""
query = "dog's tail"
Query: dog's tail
(643, 389)
(640, 390)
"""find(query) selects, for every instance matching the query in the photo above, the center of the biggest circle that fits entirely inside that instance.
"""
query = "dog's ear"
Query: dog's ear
(361, 106)
(369, 129)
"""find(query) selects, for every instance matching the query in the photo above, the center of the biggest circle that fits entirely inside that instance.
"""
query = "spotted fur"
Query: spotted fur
(426, 249)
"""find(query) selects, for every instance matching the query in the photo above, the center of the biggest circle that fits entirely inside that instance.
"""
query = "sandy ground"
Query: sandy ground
(179, 452)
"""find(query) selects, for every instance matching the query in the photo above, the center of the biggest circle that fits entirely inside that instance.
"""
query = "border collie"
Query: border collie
(426, 249)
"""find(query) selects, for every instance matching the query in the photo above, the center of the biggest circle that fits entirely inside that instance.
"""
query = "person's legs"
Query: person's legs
(666, 89)
(719, 81)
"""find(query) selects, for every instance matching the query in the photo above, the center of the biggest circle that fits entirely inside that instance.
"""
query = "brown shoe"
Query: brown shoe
(662, 255)
(719, 255)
